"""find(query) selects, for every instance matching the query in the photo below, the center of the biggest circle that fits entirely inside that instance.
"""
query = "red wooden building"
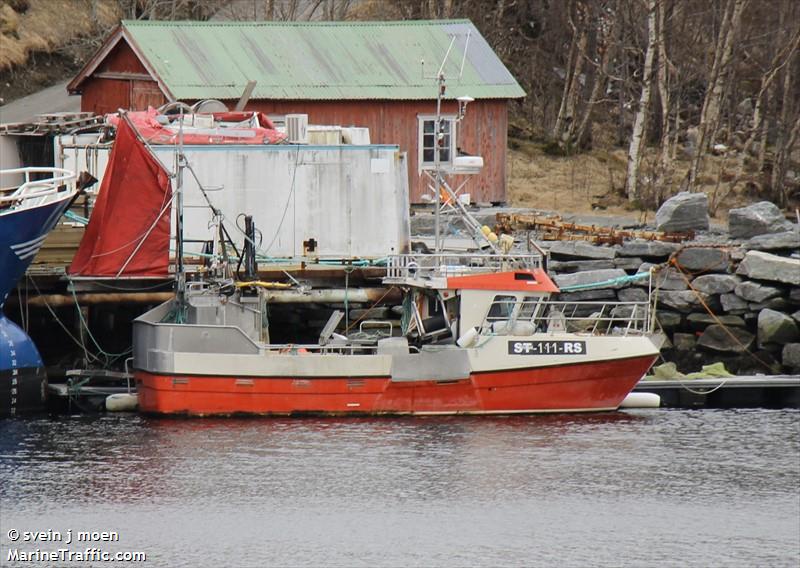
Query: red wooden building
(375, 74)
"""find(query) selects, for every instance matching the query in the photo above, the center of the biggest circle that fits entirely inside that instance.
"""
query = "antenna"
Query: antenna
(464, 58)
(439, 183)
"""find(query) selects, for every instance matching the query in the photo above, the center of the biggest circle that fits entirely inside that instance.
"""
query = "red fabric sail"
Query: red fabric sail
(130, 223)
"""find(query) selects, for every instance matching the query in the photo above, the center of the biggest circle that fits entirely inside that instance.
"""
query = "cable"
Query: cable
(286, 207)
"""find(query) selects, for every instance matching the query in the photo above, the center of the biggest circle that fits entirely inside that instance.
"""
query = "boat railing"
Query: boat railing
(404, 267)
(514, 317)
(33, 191)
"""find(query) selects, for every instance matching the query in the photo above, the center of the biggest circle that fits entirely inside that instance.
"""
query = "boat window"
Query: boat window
(501, 308)
(528, 308)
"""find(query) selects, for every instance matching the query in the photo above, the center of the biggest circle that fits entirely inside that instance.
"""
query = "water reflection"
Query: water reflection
(452, 490)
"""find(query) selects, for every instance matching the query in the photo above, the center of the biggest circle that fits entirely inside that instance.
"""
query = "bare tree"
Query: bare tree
(643, 110)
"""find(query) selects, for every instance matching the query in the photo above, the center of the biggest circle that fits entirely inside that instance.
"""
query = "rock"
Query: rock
(699, 321)
(765, 266)
(776, 327)
(716, 338)
(590, 277)
(665, 279)
(716, 283)
(626, 311)
(796, 316)
(568, 266)
(683, 212)
(733, 304)
(684, 341)
(581, 249)
(756, 219)
(629, 263)
(668, 320)
(794, 295)
(755, 292)
(703, 259)
(632, 295)
(791, 356)
(788, 240)
(588, 295)
(653, 249)
(779, 304)
(683, 300)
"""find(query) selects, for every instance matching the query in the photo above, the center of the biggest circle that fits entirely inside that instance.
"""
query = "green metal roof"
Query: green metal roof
(320, 60)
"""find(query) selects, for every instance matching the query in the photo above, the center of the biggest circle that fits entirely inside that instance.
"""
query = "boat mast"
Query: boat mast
(180, 272)
(438, 138)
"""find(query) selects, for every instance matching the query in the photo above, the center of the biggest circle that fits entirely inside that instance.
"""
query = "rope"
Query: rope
(673, 261)
(619, 280)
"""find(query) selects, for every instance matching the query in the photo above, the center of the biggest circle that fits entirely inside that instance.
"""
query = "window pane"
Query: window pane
(427, 155)
(444, 155)
(427, 126)
(502, 306)
(427, 141)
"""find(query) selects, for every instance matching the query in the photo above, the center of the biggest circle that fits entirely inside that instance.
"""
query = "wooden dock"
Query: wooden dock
(761, 391)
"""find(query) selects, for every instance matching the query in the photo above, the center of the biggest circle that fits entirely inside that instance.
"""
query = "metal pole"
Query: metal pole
(180, 275)
(436, 159)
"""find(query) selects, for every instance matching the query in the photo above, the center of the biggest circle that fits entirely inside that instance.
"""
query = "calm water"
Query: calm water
(643, 488)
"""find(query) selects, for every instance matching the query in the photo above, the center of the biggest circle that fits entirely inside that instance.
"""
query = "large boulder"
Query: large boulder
(791, 355)
(698, 321)
(683, 212)
(681, 300)
(755, 292)
(665, 279)
(703, 259)
(668, 320)
(651, 249)
(567, 266)
(632, 295)
(684, 341)
(595, 295)
(776, 327)
(756, 219)
(591, 277)
(581, 249)
(732, 304)
(765, 266)
(715, 283)
(788, 240)
(726, 340)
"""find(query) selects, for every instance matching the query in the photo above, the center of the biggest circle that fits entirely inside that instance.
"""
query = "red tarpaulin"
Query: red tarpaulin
(130, 223)
(154, 132)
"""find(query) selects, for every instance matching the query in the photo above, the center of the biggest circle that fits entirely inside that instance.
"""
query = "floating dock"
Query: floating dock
(761, 391)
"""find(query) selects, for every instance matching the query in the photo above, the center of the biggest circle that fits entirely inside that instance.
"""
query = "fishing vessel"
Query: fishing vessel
(29, 210)
(480, 335)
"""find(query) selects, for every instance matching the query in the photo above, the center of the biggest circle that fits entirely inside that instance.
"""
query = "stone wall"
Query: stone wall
(750, 284)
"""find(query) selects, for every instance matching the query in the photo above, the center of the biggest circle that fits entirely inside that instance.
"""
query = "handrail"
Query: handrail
(588, 315)
(416, 266)
(32, 189)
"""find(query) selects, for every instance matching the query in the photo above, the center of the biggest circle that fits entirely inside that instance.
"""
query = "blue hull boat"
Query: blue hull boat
(27, 215)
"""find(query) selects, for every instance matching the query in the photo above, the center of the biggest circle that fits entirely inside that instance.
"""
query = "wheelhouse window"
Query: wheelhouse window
(428, 141)
(501, 308)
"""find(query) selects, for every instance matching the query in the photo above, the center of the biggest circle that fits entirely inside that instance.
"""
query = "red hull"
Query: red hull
(569, 388)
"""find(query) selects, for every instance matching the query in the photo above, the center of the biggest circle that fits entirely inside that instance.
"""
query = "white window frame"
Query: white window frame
(421, 120)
